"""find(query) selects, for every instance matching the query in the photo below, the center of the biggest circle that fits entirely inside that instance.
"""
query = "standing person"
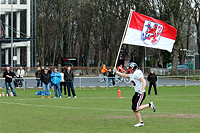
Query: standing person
(55, 80)
(120, 69)
(42, 69)
(152, 78)
(8, 75)
(104, 70)
(62, 82)
(38, 75)
(111, 76)
(69, 78)
(137, 78)
(49, 71)
(20, 75)
(159, 65)
(45, 79)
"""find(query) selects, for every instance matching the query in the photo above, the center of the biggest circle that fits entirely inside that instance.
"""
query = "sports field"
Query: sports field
(97, 110)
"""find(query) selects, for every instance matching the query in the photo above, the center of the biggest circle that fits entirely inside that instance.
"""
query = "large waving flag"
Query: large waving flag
(149, 32)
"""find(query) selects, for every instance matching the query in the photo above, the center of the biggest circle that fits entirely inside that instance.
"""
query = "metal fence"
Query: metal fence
(94, 71)
(94, 82)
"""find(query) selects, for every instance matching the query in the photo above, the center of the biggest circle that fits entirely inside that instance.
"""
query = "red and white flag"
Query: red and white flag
(149, 32)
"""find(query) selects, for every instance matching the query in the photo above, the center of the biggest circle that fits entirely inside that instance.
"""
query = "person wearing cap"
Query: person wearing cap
(55, 80)
(45, 79)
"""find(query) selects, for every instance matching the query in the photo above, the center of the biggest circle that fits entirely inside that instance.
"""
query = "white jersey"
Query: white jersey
(134, 78)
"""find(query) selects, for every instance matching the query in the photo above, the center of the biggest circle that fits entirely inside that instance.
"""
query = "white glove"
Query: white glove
(140, 92)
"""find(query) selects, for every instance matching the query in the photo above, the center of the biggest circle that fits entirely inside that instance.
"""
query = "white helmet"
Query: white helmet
(133, 65)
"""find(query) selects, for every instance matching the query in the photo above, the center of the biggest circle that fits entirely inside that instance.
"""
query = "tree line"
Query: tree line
(94, 28)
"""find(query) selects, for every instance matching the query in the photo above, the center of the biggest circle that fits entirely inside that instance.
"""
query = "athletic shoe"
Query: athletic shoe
(74, 96)
(55, 97)
(49, 96)
(60, 96)
(139, 125)
(43, 96)
(69, 97)
(152, 106)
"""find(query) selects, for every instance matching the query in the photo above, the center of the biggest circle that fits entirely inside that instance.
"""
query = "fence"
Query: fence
(94, 82)
(94, 71)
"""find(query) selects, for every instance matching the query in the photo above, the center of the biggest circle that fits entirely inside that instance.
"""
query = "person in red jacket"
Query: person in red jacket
(120, 69)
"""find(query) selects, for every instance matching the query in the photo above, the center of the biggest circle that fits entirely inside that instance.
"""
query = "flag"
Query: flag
(149, 32)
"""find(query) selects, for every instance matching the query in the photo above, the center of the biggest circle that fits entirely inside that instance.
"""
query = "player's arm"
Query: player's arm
(122, 75)
(143, 83)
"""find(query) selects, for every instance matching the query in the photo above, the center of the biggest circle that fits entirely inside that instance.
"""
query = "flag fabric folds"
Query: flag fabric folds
(149, 32)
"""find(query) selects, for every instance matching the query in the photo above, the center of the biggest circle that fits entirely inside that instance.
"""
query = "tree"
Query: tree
(196, 17)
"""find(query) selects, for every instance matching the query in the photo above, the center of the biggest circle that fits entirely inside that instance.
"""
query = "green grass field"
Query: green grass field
(99, 110)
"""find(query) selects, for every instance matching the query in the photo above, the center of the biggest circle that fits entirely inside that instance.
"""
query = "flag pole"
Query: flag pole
(123, 38)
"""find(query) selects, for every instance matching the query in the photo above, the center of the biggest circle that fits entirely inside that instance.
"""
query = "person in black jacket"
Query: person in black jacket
(8, 74)
(45, 79)
(152, 78)
(111, 76)
(69, 78)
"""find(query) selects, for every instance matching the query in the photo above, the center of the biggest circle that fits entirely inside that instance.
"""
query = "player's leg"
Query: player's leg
(136, 101)
(138, 116)
(143, 107)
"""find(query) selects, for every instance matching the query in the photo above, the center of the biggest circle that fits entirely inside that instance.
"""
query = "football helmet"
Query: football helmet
(133, 66)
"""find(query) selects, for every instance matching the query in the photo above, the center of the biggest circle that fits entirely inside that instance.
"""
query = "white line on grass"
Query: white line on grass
(25, 104)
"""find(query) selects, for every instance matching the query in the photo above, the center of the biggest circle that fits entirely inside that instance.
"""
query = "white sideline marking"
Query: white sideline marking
(25, 104)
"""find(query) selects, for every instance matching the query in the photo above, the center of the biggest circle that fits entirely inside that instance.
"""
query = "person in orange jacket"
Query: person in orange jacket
(104, 70)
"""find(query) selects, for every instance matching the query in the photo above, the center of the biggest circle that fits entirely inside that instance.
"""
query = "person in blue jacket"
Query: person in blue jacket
(55, 79)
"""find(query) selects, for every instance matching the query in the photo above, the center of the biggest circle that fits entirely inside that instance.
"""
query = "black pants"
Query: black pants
(63, 84)
(154, 85)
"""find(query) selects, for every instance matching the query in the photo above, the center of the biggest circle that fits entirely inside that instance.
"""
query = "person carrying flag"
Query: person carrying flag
(137, 78)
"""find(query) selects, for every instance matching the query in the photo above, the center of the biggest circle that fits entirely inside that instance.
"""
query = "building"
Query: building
(6, 8)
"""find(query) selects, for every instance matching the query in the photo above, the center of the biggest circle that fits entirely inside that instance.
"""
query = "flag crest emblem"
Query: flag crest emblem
(151, 32)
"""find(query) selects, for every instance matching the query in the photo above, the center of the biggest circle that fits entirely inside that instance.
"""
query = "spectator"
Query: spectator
(159, 65)
(45, 79)
(55, 80)
(20, 75)
(42, 69)
(20, 72)
(62, 82)
(120, 69)
(111, 76)
(152, 78)
(8, 80)
(104, 70)
(38, 75)
(49, 71)
(69, 78)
